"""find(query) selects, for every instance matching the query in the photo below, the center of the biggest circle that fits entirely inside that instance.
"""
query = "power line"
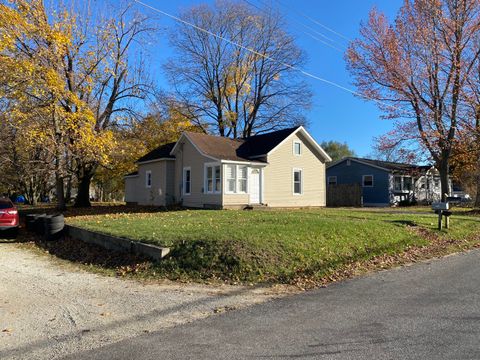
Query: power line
(292, 67)
(303, 31)
(313, 20)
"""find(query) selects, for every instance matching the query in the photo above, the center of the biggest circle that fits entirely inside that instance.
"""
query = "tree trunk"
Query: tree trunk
(68, 191)
(444, 169)
(85, 176)
(59, 188)
(477, 198)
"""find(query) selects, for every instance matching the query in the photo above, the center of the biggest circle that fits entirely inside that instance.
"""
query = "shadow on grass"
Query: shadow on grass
(88, 254)
(96, 209)
(402, 223)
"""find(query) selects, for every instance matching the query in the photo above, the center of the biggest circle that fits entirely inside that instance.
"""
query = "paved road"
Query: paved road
(426, 311)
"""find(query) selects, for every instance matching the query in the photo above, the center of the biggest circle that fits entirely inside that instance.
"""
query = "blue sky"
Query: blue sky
(336, 114)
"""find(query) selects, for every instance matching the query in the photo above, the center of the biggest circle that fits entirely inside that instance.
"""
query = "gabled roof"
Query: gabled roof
(249, 149)
(162, 152)
(262, 144)
(218, 147)
(385, 165)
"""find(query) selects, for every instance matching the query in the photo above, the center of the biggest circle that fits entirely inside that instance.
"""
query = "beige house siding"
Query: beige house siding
(188, 156)
(131, 193)
(155, 195)
(170, 197)
(278, 176)
(233, 199)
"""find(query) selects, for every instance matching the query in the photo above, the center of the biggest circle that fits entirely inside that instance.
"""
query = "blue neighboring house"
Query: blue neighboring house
(387, 183)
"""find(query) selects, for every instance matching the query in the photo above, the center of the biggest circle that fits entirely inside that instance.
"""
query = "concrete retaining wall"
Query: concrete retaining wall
(116, 243)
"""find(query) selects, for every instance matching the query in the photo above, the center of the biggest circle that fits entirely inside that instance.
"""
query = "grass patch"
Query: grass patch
(273, 246)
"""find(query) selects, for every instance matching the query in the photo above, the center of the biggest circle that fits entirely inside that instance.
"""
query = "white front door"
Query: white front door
(254, 185)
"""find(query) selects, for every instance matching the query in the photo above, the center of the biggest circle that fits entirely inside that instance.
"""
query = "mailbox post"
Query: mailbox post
(441, 208)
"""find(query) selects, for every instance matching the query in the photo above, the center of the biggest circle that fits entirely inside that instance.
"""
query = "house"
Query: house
(284, 168)
(387, 183)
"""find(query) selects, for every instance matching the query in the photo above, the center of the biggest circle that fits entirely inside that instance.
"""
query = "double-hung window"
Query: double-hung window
(297, 181)
(187, 181)
(332, 180)
(242, 179)
(212, 183)
(367, 181)
(231, 178)
(297, 148)
(236, 178)
(148, 179)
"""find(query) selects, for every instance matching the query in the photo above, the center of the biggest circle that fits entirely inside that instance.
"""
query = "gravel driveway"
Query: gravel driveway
(49, 309)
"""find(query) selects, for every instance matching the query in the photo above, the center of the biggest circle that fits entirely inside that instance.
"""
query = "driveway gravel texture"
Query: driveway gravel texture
(49, 309)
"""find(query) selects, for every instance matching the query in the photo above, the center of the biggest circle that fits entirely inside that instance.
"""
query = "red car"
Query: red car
(9, 219)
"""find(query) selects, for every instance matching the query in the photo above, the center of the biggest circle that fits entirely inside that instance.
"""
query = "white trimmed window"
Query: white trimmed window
(332, 180)
(242, 179)
(297, 181)
(212, 179)
(231, 178)
(187, 181)
(367, 180)
(148, 178)
(236, 179)
(297, 148)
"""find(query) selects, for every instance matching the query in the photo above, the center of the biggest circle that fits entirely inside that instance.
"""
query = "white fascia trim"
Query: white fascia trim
(184, 135)
(310, 139)
(152, 161)
(243, 162)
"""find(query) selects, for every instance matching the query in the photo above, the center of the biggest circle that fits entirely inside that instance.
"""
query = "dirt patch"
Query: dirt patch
(52, 308)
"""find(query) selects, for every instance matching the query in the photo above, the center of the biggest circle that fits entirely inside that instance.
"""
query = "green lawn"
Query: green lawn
(277, 245)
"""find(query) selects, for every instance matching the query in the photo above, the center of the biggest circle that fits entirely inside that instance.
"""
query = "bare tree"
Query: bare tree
(239, 81)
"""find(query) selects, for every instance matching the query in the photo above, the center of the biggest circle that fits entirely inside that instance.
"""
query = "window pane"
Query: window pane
(242, 172)
(231, 185)
(209, 172)
(297, 188)
(398, 183)
(187, 181)
(242, 185)
(296, 176)
(230, 171)
(210, 185)
(407, 183)
(297, 148)
(368, 180)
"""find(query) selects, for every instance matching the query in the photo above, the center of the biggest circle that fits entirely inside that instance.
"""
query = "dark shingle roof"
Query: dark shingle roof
(159, 153)
(393, 166)
(225, 148)
(262, 144)
(239, 149)
(217, 146)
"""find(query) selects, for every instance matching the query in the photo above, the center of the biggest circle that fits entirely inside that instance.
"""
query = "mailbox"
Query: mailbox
(440, 206)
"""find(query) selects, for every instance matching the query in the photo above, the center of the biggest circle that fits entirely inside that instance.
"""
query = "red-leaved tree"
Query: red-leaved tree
(417, 69)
